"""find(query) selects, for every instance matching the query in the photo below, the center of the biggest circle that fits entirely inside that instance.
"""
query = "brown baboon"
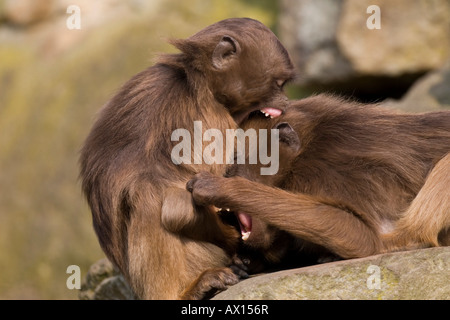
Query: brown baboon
(145, 220)
(353, 179)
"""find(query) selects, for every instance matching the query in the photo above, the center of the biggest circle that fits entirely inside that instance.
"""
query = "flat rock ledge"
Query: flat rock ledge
(412, 275)
(419, 274)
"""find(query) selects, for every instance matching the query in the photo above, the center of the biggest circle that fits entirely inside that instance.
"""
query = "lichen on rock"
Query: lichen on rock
(418, 274)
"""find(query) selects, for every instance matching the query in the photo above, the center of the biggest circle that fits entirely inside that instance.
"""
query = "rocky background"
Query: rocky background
(334, 49)
(53, 80)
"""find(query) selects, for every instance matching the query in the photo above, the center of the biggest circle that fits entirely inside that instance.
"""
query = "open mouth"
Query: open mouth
(244, 221)
(268, 112)
(271, 112)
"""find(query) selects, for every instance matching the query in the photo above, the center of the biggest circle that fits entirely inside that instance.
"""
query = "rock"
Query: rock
(419, 274)
(412, 38)
(329, 41)
(307, 29)
(430, 93)
(104, 282)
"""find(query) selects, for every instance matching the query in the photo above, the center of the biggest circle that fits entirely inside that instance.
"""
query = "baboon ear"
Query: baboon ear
(225, 52)
(288, 135)
(184, 45)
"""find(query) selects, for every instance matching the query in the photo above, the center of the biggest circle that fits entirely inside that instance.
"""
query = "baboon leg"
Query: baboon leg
(427, 220)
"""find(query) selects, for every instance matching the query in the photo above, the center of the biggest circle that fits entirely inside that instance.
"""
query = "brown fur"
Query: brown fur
(145, 220)
(427, 219)
(349, 175)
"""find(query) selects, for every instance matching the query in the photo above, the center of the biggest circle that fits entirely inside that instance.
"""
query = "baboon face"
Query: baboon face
(289, 146)
(252, 80)
(260, 234)
(246, 66)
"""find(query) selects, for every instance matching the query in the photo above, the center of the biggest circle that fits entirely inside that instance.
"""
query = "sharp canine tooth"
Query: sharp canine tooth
(228, 209)
(267, 114)
(245, 235)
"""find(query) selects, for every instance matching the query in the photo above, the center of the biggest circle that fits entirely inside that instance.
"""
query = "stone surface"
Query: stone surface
(329, 40)
(430, 93)
(414, 36)
(103, 282)
(419, 274)
(307, 28)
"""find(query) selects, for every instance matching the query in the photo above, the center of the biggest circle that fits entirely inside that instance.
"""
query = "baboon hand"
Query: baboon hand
(213, 281)
(205, 188)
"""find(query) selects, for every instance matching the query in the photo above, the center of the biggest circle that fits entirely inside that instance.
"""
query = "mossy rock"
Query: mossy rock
(104, 282)
(418, 274)
(413, 275)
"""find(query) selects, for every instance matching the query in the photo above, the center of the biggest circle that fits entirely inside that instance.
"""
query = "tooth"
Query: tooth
(271, 117)
(261, 111)
(267, 114)
(245, 235)
(228, 209)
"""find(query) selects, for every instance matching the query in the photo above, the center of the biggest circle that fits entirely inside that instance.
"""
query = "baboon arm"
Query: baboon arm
(301, 215)
(177, 209)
